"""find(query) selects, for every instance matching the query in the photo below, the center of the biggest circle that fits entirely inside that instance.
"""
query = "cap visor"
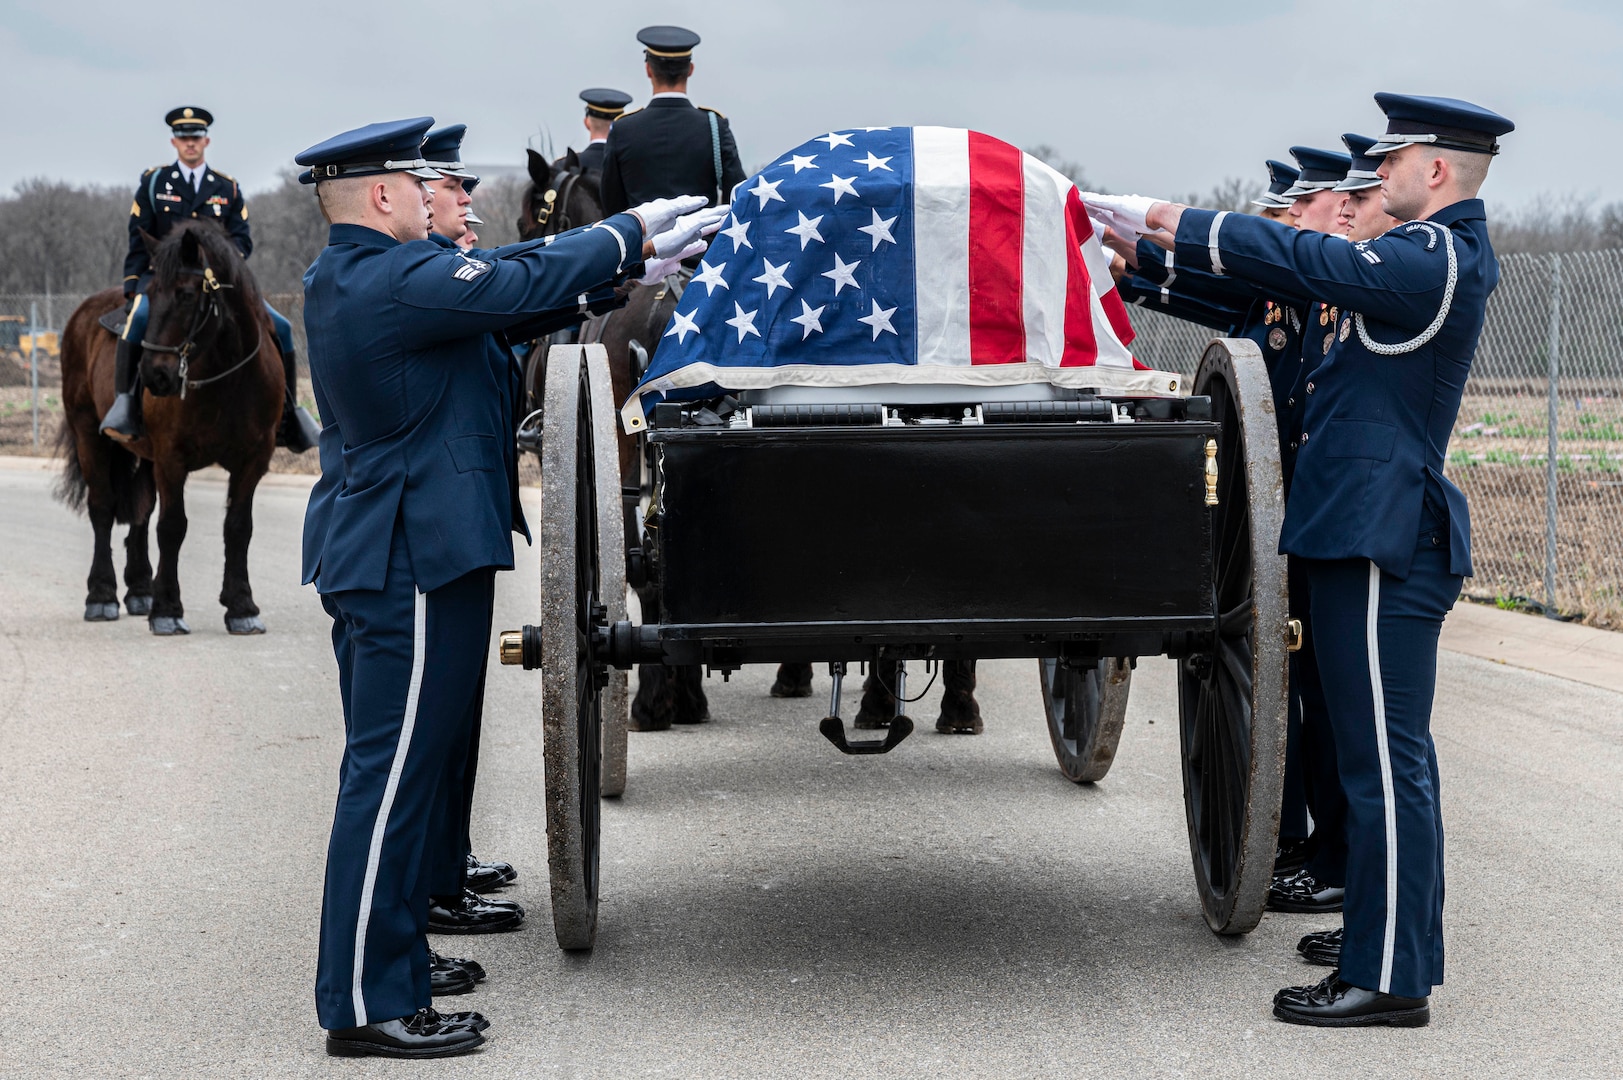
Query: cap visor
(1272, 202)
(474, 219)
(424, 174)
(1356, 184)
(1386, 147)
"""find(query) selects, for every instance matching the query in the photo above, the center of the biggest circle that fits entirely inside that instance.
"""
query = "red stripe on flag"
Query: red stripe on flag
(1081, 346)
(997, 332)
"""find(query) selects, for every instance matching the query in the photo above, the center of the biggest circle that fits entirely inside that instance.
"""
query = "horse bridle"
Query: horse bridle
(205, 312)
(557, 199)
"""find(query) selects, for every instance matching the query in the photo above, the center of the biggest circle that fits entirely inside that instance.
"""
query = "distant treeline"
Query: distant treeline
(59, 237)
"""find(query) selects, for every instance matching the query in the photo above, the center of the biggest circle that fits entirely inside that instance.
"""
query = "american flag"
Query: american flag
(886, 255)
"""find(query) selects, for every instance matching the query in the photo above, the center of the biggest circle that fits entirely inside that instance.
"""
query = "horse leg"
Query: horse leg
(655, 703)
(101, 595)
(878, 706)
(794, 680)
(137, 560)
(960, 712)
(167, 613)
(691, 705)
(241, 613)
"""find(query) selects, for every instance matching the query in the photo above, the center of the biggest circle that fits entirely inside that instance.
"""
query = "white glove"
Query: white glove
(658, 214)
(661, 269)
(1103, 220)
(1127, 211)
(687, 229)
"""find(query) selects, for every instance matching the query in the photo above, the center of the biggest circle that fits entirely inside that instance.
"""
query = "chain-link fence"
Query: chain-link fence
(1538, 446)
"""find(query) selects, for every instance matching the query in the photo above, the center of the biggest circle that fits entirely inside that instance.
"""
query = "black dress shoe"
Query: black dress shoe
(1323, 948)
(1302, 892)
(471, 913)
(474, 969)
(485, 876)
(1291, 855)
(424, 1034)
(446, 979)
(473, 1020)
(1335, 1002)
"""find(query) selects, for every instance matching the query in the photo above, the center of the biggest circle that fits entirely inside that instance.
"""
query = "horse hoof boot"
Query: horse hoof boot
(959, 717)
(102, 612)
(138, 605)
(168, 625)
(244, 624)
(793, 681)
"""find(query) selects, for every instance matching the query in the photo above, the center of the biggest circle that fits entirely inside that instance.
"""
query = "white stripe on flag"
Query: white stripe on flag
(941, 244)
(1044, 261)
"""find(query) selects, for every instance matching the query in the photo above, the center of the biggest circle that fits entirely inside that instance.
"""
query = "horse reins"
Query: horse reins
(205, 312)
(557, 199)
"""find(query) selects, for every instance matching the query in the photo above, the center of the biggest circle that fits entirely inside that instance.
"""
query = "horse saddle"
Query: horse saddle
(113, 321)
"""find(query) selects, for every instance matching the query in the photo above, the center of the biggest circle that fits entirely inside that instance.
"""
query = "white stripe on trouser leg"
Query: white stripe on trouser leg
(374, 854)
(1372, 643)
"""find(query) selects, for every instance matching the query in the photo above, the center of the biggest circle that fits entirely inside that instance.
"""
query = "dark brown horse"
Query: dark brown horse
(213, 381)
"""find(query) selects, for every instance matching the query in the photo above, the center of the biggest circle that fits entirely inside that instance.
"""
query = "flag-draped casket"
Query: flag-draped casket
(900, 255)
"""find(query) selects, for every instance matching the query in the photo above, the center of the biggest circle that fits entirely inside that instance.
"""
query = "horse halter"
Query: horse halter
(205, 312)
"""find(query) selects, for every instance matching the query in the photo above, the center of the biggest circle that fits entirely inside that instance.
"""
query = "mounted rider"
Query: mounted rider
(604, 105)
(188, 188)
(670, 147)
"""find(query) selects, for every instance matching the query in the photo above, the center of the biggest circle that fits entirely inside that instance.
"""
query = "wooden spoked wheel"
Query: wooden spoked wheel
(1231, 695)
(572, 678)
(611, 539)
(1086, 707)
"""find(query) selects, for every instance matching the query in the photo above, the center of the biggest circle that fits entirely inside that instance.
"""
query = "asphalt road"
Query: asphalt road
(954, 909)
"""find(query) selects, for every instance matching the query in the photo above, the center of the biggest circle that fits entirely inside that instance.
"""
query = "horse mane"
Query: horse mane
(220, 252)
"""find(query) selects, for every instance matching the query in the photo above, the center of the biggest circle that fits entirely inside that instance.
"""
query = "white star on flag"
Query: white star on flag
(806, 230)
(744, 322)
(842, 185)
(834, 139)
(767, 190)
(879, 230)
(772, 279)
(738, 233)
(800, 161)
(879, 319)
(843, 274)
(873, 162)
(810, 319)
(710, 277)
(681, 325)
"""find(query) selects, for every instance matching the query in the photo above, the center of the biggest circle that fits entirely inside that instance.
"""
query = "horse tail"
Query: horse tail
(71, 488)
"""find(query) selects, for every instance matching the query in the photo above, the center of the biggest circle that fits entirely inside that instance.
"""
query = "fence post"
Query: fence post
(1553, 437)
(33, 361)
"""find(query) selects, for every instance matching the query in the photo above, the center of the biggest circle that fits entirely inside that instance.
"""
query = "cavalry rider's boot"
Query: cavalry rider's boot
(123, 420)
(298, 431)
(960, 712)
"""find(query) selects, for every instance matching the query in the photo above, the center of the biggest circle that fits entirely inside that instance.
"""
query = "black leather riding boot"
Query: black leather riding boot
(123, 419)
(298, 431)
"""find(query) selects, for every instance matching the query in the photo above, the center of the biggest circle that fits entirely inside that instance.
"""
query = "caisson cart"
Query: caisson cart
(1077, 529)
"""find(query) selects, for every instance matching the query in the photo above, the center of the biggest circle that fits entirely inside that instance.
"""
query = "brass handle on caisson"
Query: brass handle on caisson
(1211, 472)
(1293, 635)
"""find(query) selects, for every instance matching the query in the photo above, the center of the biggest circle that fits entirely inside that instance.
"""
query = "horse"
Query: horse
(214, 388)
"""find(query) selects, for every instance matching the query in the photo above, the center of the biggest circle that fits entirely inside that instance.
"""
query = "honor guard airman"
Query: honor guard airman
(669, 147)
(1362, 215)
(1385, 536)
(188, 188)
(603, 107)
(413, 514)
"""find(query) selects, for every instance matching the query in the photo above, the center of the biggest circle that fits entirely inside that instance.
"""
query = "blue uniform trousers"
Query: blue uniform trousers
(409, 664)
(1320, 790)
(450, 840)
(1378, 662)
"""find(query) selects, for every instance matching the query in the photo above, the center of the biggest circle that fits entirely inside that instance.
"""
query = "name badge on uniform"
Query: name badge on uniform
(470, 268)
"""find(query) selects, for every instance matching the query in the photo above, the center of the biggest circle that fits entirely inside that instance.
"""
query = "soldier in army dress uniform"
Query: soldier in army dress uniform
(185, 189)
(669, 147)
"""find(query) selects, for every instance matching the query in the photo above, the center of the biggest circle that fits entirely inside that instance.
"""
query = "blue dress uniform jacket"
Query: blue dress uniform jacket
(163, 197)
(417, 414)
(1381, 406)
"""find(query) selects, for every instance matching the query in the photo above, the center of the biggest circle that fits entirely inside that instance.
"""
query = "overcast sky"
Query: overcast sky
(1158, 98)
